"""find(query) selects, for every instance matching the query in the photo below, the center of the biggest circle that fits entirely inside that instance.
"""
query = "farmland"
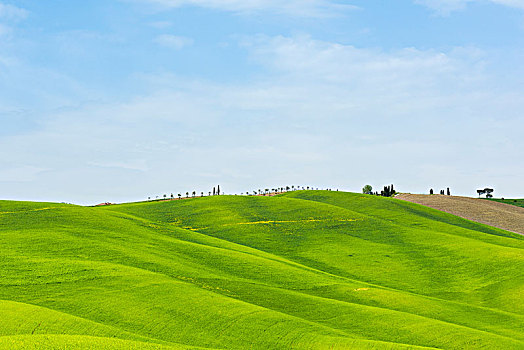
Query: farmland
(305, 269)
(490, 212)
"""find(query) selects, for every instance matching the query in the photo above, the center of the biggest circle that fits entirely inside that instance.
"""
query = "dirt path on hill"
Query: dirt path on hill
(504, 216)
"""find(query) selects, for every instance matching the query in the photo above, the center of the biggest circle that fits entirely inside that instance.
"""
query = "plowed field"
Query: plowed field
(504, 216)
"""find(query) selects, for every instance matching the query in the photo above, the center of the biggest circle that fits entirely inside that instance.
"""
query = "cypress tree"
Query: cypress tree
(218, 190)
(449, 192)
(214, 192)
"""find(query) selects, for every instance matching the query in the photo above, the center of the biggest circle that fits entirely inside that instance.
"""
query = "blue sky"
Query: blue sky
(118, 100)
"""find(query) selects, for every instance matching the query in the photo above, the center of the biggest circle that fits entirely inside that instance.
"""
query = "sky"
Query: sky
(120, 100)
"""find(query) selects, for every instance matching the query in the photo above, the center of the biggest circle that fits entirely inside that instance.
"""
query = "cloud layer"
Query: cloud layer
(313, 8)
(324, 114)
(307, 8)
(446, 6)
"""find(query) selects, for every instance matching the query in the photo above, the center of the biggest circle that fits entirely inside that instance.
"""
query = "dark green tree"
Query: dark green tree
(367, 189)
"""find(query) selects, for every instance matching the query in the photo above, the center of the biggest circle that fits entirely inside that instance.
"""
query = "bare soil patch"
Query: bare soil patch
(504, 216)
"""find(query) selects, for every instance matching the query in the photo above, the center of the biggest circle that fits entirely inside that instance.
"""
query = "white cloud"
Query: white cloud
(356, 68)
(11, 12)
(307, 8)
(447, 6)
(173, 41)
(511, 3)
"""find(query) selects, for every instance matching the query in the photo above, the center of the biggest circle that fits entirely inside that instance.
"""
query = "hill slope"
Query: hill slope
(515, 202)
(489, 212)
(306, 269)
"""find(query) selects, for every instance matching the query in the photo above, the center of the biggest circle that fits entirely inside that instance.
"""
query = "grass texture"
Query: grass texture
(515, 202)
(304, 270)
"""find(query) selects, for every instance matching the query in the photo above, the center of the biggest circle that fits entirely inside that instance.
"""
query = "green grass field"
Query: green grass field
(305, 270)
(516, 202)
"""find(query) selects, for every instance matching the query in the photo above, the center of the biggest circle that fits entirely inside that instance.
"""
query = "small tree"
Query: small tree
(194, 194)
(218, 190)
(172, 196)
(430, 191)
(449, 192)
(201, 194)
(179, 196)
(488, 192)
(165, 195)
(481, 192)
(367, 189)
(187, 194)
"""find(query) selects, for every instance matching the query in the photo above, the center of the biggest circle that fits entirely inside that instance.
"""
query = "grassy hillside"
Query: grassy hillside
(307, 269)
(516, 202)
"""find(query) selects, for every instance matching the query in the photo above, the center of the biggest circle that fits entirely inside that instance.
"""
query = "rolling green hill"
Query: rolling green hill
(306, 270)
(516, 202)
